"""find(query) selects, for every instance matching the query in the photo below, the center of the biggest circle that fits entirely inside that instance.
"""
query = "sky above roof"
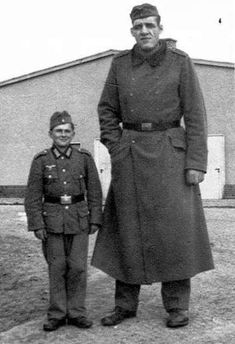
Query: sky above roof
(36, 34)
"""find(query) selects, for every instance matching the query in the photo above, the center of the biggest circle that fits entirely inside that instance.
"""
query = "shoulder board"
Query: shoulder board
(84, 151)
(121, 53)
(42, 153)
(178, 51)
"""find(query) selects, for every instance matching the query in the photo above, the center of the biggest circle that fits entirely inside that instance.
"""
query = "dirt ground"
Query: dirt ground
(24, 293)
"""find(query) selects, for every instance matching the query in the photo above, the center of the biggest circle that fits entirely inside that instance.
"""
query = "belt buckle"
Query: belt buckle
(65, 199)
(146, 126)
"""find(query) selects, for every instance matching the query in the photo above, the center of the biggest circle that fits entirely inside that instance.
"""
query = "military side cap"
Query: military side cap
(59, 118)
(143, 11)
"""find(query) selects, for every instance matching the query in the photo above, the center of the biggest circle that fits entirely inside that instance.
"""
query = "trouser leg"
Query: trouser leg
(77, 250)
(53, 249)
(176, 294)
(127, 295)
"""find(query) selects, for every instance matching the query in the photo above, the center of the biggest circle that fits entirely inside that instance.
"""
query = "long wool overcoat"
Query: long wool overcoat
(154, 226)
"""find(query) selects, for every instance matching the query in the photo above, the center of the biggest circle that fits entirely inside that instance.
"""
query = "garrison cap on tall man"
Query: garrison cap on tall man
(144, 11)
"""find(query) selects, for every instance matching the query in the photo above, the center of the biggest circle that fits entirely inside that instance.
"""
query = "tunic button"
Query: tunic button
(65, 182)
(50, 176)
(62, 157)
(132, 110)
(133, 141)
(63, 170)
(66, 207)
(131, 94)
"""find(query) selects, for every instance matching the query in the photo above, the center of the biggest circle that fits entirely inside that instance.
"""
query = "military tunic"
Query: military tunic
(154, 227)
(52, 175)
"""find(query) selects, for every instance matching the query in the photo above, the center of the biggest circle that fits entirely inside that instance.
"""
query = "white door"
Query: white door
(213, 185)
(211, 188)
(103, 165)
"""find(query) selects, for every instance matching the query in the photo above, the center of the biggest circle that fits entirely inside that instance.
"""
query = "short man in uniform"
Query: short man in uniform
(64, 205)
(154, 227)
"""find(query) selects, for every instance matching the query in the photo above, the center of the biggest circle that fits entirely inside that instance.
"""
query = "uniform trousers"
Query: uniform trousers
(66, 256)
(175, 294)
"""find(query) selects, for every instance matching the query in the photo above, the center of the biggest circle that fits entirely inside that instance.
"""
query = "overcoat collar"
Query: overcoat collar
(138, 57)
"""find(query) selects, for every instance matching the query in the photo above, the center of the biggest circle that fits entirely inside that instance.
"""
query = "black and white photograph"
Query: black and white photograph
(117, 182)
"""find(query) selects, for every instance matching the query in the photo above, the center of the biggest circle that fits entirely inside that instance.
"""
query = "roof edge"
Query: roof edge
(56, 68)
(214, 63)
(90, 58)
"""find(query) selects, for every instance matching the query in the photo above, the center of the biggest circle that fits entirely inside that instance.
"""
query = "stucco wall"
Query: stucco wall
(218, 88)
(26, 106)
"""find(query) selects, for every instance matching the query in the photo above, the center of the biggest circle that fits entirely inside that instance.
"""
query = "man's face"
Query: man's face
(146, 32)
(62, 135)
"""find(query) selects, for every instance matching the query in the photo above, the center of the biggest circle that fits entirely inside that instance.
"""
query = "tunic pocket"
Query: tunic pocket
(50, 176)
(83, 216)
(52, 217)
(79, 181)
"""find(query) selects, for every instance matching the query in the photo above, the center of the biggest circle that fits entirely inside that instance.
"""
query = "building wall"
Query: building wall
(26, 107)
(218, 88)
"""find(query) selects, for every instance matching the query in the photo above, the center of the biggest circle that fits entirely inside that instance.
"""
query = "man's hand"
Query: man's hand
(93, 228)
(194, 177)
(41, 234)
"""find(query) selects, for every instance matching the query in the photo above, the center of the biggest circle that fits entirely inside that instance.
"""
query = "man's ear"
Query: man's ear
(132, 32)
(50, 134)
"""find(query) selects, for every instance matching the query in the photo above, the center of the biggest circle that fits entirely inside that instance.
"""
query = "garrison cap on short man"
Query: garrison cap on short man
(143, 11)
(59, 118)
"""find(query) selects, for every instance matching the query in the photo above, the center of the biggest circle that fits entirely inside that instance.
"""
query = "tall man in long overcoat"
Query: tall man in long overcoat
(63, 204)
(154, 227)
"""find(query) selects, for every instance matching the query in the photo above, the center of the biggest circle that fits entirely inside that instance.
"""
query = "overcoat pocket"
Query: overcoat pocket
(177, 138)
